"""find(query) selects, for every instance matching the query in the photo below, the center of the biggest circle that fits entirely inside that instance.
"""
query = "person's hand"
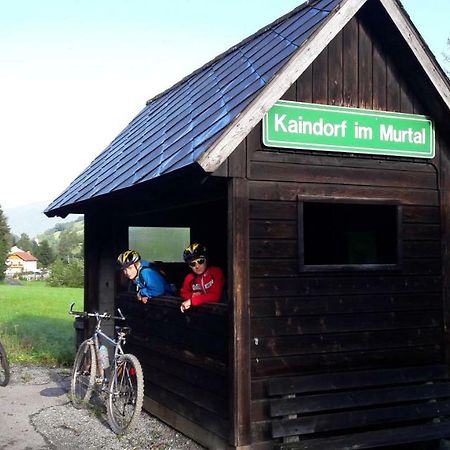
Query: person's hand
(185, 305)
(142, 299)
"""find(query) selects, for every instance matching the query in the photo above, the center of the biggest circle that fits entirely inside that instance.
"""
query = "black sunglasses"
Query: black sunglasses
(199, 262)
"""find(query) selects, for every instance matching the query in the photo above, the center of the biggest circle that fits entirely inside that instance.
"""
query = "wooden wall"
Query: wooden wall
(323, 321)
(185, 363)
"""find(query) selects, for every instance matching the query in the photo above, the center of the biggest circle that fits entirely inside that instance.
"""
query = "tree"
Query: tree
(69, 245)
(25, 243)
(5, 243)
(35, 250)
(45, 254)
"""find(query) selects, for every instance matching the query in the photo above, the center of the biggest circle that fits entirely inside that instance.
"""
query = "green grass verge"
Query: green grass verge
(35, 327)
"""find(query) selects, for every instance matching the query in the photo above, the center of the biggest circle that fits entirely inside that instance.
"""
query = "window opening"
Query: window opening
(348, 234)
(159, 243)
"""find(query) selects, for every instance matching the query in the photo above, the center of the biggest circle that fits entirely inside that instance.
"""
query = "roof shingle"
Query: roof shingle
(177, 127)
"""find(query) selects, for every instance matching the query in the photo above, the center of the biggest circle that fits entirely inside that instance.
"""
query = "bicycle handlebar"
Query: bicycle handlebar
(105, 315)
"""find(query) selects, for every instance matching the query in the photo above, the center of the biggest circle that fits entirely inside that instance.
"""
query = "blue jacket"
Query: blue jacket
(150, 283)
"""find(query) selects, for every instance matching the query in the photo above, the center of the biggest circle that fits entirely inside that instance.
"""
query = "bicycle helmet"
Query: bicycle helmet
(127, 258)
(194, 251)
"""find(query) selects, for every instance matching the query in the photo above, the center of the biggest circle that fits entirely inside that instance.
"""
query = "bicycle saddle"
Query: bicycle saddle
(123, 330)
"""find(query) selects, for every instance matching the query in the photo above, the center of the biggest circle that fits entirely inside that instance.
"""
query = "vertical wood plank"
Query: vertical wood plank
(105, 237)
(379, 79)
(91, 267)
(106, 275)
(365, 69)
(350, 63)
(304, 86)
(320, 78)
(335, 71)
(291, 93)
(393, 90)
(253, 143)
(237, 166)
(406, 102)
(222, 171)
(238, 270)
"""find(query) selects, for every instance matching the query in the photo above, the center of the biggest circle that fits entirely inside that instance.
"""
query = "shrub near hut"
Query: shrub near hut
(68, 274)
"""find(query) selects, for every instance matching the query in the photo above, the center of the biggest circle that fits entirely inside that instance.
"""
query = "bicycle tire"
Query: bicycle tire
(4, 367)
(125, 394)
(83, 374)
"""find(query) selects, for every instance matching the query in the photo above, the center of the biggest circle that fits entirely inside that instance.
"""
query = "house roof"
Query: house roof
(25, 256)
(205, 116)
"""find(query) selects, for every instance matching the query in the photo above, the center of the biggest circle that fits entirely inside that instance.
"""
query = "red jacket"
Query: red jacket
(209, 284)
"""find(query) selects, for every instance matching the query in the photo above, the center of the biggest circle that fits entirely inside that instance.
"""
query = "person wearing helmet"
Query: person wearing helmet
(205, 283)
(148, 280)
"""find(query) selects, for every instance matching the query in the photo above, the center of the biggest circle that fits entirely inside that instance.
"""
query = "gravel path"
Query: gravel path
(66, 428)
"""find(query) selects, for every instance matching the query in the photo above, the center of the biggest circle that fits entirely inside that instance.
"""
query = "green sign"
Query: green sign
(337, 129)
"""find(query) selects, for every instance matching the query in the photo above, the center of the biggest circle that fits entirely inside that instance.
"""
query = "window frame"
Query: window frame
(348, 267)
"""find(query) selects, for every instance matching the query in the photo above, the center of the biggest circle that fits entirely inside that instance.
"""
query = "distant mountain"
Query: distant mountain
(53, 235)
(31, 220)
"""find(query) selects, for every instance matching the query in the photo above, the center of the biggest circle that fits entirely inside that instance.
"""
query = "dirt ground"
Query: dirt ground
(35, 414)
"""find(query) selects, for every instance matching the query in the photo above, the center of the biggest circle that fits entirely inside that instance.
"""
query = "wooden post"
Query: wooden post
(238, 257)
(91, 262)
(103, 236)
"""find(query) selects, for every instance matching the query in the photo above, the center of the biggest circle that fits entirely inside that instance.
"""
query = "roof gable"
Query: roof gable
(205, 116)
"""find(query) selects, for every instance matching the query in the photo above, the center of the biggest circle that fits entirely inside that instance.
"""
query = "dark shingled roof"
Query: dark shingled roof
(177, 127)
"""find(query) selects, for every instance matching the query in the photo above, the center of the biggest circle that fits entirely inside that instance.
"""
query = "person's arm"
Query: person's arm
(186, 291)
(214, 293)
(153, 283)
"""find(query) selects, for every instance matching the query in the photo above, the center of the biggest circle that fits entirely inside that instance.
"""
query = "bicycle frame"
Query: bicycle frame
(99, 337)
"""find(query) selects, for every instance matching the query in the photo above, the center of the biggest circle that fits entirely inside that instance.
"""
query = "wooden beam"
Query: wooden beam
(238, 257)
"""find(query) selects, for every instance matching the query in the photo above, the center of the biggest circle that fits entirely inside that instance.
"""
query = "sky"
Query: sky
(74, 73)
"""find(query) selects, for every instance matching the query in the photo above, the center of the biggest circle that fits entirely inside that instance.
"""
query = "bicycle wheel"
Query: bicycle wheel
(125, 394)
(83, 374)
(4, 367)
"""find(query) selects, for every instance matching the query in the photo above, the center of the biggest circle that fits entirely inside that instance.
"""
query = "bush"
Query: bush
(68, 274)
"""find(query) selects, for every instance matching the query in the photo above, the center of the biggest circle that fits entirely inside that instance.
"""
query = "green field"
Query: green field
(35, 327)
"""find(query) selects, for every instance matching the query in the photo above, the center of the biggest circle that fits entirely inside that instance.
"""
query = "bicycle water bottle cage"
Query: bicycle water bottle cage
(125, 331)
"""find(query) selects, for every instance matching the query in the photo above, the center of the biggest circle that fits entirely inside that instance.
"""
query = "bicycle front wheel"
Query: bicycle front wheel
(83, 374)
(4, 367)
(125, 394)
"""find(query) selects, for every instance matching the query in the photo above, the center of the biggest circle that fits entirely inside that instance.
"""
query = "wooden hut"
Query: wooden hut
(331, 223)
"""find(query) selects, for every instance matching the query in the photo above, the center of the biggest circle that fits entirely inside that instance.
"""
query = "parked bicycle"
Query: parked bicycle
(123, 388)
(4, 367)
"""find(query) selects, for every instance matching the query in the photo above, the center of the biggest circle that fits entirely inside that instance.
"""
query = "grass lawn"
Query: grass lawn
(35, 327)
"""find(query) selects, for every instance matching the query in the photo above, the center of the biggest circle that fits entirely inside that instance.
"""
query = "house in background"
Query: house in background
(19, 261)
